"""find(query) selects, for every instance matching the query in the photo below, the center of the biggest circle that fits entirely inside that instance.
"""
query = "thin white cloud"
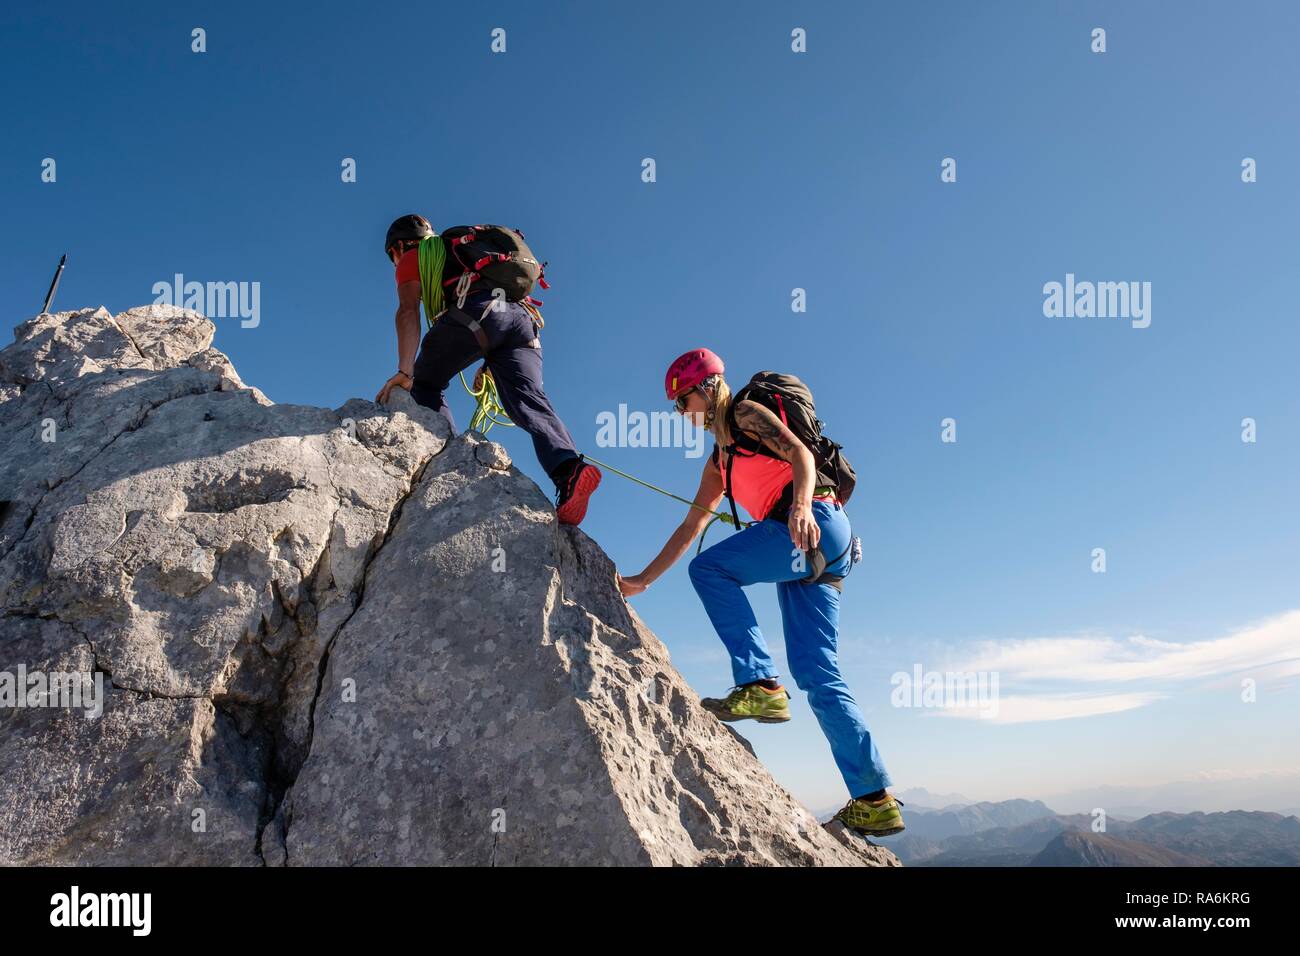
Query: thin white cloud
(1279, 774)
(1073, 672)
(1271, 647)
(1024, 709)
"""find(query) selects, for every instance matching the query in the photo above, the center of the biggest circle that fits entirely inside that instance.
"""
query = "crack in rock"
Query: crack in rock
(312, 654)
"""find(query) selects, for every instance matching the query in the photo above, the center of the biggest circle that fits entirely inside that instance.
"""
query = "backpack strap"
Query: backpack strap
(731, 501)
(749, 446)
(781, 408)
(461, 317)
(748, 449)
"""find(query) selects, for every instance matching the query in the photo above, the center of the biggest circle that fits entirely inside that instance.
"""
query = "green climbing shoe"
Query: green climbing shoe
(881, 818)
(753, 701)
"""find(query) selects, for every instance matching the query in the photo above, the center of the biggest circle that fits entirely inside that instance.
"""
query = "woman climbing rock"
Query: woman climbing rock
(800, 539)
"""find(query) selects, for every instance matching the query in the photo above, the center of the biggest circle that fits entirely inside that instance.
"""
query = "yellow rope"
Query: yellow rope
(488, 410)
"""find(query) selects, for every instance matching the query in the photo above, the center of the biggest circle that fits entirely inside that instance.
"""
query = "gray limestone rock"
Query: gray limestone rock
(326, 637)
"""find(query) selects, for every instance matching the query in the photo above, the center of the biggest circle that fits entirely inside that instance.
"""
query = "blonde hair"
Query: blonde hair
(715, 419)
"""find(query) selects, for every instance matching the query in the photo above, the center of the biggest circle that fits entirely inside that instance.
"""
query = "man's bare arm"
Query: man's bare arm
(408, 325)
(407, 321)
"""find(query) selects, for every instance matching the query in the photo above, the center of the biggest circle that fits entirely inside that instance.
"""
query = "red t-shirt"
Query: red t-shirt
(408, 267)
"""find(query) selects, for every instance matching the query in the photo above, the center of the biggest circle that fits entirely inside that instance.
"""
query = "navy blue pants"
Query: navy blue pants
(515, 360)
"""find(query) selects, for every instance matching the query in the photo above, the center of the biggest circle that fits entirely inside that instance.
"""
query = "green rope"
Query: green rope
(433, 255)
(488, 410)
(717, 515)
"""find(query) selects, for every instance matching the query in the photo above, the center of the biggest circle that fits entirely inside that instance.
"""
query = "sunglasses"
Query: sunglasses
(680, 401)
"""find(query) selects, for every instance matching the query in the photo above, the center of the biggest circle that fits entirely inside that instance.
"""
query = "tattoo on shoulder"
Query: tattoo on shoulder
(753, 417)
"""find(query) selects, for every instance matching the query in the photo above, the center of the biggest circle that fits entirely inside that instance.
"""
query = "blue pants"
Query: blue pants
(515, 360)
(811, 616)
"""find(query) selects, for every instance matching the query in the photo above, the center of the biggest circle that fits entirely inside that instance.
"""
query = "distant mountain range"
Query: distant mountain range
(958, 820)
(1098, 849)
(1029, 833)
(921, 797)
(1275, 791)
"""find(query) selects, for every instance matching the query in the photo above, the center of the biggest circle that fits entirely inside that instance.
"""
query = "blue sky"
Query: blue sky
(777, 171)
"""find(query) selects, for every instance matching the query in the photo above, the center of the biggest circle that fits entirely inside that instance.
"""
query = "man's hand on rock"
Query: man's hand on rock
(399, 380)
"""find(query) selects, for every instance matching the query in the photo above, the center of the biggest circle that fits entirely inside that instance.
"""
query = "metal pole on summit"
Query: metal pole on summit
(54, 285)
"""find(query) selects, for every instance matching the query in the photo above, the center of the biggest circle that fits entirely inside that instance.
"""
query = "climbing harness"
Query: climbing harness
(488, 409)
(432, 253)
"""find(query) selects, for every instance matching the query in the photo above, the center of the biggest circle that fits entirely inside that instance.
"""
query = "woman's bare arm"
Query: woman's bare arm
(709, 494)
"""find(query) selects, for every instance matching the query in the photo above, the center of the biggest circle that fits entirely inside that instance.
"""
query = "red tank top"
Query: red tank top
(757, 482)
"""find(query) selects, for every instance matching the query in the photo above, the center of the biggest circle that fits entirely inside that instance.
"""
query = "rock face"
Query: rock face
(326, 637)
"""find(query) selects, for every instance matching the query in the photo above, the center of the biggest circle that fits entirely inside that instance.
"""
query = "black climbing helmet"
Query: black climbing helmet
(410, 228)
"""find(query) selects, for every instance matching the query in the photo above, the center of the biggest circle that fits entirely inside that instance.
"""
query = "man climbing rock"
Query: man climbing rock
(487, 273)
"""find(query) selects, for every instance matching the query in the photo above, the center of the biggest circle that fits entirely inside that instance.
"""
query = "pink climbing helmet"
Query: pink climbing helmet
(689, 370)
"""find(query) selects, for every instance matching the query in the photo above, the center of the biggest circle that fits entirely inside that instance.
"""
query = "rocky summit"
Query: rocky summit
(241, 633)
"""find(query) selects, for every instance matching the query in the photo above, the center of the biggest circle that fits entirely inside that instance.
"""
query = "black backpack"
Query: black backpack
(491, 257)
(792, 402)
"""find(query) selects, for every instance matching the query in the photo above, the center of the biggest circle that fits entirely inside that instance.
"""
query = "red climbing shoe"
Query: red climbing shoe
(571, 506)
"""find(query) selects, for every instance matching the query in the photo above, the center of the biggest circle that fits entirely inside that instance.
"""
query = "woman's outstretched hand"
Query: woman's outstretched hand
(803, 529)
(632, 585)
